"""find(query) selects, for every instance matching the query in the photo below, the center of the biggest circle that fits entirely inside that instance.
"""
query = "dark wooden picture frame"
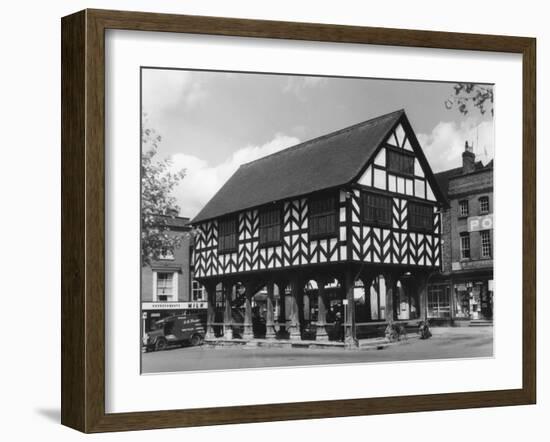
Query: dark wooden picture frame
(83, 220)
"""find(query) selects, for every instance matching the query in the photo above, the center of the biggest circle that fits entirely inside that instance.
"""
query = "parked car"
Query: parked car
(175, 330)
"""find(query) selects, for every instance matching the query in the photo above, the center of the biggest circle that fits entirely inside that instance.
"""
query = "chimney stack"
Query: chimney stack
(468, 158)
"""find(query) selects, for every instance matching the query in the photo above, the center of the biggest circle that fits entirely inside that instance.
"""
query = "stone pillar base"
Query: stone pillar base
(270, 332)
(350, 342)
(294, 333)
(210, 334)
(247, 332)
(227, 332)
(321, 333)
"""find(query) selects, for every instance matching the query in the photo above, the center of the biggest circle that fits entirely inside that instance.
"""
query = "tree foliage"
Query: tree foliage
(468, 96)
(157, 203)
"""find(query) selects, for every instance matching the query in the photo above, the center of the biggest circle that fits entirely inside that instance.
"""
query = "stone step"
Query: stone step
(481, 323)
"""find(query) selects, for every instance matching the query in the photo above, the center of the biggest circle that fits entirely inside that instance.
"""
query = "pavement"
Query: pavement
(446, 343)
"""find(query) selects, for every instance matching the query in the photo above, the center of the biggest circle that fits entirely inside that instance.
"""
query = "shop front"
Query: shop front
(460, 300)
(151, 312)
(474, 299)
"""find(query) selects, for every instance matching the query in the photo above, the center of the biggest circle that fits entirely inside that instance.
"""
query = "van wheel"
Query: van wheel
(160, 344)
(196, 340)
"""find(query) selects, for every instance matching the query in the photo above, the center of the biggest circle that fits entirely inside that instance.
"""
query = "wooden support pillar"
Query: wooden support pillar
(228, 311)
(391, 288)
(248, 332)
(211, 309)
(321, 332)
(422, 287)
(269, 322)
(301, 306)
(282, 306)
(367, 282)
(294, 326)
(349, 326)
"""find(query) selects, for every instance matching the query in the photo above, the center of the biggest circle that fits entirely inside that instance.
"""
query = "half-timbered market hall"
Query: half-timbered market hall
(330, 239)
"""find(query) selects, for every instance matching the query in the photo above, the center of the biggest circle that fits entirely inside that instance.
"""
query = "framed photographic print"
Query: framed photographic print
(268, 220)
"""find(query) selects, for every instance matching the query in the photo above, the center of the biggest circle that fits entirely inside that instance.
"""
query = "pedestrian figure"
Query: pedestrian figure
(424, 330)
(338, 327)
(391, 332)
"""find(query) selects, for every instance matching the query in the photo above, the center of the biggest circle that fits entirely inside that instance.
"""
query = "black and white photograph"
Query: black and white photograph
(293, 220)
(271, 221)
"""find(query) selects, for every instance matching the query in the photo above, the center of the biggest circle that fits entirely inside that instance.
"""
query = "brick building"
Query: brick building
(167, 285)
(464, 290)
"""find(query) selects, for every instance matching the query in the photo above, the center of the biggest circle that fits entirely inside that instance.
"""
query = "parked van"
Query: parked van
(175, 330)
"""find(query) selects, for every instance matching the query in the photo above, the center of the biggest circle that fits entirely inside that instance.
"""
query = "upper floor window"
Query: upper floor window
(270, 226)
(376, 209)
(166, 255)
(485, 243)
(400, 162)
(484, 204)
(227, 235)
(164, 286)
(463, 209)
(322, 216)
(465, 245)
(420, 217)
(197, 291)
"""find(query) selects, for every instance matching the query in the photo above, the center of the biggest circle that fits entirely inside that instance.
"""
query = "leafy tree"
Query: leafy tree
(471, 95)
(157, 203)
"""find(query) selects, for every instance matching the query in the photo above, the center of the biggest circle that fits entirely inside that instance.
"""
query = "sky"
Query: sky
(212, 122)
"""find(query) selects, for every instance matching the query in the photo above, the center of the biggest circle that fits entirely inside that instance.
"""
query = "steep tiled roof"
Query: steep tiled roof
(329, 161)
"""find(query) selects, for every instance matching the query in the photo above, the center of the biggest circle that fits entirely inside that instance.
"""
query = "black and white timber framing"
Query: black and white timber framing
(379, 207)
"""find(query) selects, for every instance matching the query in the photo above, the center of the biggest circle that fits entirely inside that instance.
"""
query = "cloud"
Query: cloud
(299, 85)
(164, 89)
(202, 180)
(444, 145)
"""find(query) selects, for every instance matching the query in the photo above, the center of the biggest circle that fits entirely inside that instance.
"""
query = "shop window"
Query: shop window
(376, 209)
(322, 217)
(485, 243)
(164, 286)
(400, 162)
(227, 235)
(484, 204)
(420, 217)
(463, 209)
(465, 245)
(270, 226)
(438, 302)
(462, 295)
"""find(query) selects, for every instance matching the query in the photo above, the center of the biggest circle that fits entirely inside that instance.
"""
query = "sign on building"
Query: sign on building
(477, 223)
(174, 305)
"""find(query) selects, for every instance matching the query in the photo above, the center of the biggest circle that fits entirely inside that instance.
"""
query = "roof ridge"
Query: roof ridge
(327, 135)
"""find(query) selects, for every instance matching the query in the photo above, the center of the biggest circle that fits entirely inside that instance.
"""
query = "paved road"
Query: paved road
(446, 343)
